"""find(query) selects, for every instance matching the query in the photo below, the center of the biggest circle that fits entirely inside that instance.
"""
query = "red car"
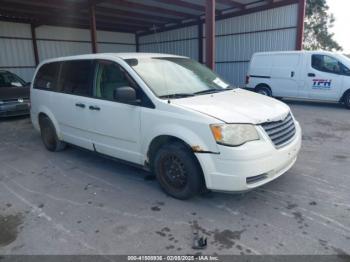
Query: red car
(14, 95)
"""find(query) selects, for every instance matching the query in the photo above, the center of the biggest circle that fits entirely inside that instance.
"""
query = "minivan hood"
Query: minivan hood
(236, 106)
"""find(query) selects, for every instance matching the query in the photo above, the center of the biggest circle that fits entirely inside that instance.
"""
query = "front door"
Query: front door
(114, 126)
(324, 78)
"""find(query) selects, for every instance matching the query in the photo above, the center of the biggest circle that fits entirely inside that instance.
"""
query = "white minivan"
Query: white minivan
(168, 114)
(310, 75)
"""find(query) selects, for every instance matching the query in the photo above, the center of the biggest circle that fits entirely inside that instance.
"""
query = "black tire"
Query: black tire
(49, 136)
(177, 171)
(346, 100)
(263, 90)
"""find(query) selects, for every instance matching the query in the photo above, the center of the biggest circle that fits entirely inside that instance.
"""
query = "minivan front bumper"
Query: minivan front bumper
(248, 166)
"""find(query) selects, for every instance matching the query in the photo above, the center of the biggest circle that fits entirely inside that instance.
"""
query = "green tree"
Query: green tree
(318, 21)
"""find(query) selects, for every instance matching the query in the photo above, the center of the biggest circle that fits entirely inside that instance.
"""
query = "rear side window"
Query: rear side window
(46, 77)
(76, 77)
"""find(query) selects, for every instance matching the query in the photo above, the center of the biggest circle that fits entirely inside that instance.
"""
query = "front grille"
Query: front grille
(280, 132)
(14, 100)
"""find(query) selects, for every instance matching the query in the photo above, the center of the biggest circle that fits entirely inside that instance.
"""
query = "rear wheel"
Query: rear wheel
(347, 100)
(177, 171)
(49, 136)
(263, 90)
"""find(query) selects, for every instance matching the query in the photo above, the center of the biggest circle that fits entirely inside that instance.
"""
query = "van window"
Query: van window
(110, 76)
(76, 77)
(46, 77)
(346, 71)
(326, 63)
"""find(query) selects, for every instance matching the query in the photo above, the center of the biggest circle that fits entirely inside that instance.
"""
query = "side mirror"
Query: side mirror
(125, 94)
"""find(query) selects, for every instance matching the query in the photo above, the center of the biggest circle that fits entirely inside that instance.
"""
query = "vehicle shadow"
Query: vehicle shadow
(314, 104)
(13, 118)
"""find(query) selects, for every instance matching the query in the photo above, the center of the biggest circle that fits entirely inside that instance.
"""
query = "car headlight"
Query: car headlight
(234, 134)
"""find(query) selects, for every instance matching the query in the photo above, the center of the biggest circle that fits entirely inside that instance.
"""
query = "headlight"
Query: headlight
(234, 134)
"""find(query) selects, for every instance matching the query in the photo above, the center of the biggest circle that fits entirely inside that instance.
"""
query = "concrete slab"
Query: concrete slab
(75, 202)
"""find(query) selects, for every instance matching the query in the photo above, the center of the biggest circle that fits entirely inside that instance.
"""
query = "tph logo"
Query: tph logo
(322, 83)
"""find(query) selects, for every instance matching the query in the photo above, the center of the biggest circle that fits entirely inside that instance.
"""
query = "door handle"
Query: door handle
(80, 105)
(96, 108)
(292, 74)
(311, 75)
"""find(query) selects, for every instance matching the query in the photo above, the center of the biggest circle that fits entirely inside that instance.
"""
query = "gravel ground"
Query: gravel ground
(75, 202)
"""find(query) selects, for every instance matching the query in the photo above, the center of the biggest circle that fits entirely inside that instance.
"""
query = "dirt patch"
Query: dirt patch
(197, 228)
(291, 205)
(155, 208)
(336, 126)
(323, 122)
(340, 157)
(9, 228)
(326, 136)
(226, 239)
(298, 217)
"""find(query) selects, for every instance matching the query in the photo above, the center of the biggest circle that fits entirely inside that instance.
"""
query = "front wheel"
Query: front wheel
(49, 136)
(177, 171)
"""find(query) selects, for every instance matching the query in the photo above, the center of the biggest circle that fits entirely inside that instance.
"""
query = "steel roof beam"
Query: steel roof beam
(37, 12)
(149, 8)
(64, 20)
(231, 3)
(185, 4)
(134, 14)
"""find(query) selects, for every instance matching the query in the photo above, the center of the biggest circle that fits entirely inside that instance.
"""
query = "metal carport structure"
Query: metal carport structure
(201, 29)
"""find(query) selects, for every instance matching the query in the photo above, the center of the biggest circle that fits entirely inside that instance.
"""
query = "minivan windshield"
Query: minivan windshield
(176, 77)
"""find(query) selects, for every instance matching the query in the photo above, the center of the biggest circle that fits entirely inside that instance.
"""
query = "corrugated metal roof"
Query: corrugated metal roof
(121, 15)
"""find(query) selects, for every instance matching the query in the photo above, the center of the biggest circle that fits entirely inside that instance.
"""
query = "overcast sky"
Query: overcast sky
(341, 9)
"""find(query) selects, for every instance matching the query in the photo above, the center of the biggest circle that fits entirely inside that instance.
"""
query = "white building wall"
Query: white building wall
(62, 41)
(16, 48)
(183, 41)
(237, 39)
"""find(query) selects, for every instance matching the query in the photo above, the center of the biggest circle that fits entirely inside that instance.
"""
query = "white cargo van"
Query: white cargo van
(311, 75)
(168, 114)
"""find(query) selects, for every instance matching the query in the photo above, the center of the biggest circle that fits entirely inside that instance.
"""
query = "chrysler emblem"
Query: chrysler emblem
(20, 100)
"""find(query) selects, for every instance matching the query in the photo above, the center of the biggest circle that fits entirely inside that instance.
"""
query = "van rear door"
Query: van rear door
(70, 104)
(324, 77)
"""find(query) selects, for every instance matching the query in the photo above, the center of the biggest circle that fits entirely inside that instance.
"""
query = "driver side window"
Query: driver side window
(109, 76)
(326, 64)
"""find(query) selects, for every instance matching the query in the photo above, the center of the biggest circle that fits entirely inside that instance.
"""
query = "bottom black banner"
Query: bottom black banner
(215, 258)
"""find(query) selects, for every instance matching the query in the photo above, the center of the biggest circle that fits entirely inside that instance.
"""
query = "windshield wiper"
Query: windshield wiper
(211, 91)
(177, 95)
